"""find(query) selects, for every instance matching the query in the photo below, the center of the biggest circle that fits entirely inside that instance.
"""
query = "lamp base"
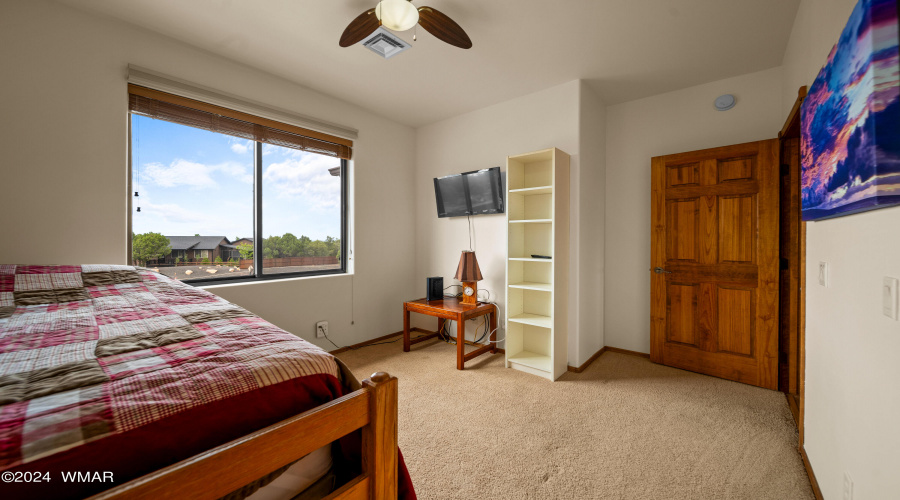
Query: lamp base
(470, 298)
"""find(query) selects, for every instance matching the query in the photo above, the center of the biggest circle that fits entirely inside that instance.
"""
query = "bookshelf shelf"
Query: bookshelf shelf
(532, 190)
(533, 320)
(532, 221)
(532, 285)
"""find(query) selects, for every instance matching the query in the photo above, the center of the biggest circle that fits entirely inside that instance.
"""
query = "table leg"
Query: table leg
(494, 331)
(460, 343)
(405, 329)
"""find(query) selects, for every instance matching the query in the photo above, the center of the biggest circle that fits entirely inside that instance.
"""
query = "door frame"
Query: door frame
(790, 130)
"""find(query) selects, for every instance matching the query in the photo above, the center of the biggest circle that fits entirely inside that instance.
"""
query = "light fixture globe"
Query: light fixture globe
(397, 15)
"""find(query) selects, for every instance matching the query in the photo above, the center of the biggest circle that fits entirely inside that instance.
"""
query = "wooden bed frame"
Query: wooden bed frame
(221, 470)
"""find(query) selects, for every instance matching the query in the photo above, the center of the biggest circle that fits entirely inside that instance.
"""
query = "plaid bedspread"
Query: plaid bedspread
(95, 351)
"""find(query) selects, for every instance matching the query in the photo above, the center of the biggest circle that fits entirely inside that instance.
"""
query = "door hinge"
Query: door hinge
(785, 263)
(785, 170)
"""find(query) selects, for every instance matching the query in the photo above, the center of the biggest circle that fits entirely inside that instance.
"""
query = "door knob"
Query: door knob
(659, 270)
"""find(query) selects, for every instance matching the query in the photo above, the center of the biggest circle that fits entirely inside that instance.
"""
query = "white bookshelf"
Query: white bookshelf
(537, 215)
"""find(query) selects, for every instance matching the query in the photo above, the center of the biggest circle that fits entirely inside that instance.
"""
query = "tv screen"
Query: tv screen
(471, 193)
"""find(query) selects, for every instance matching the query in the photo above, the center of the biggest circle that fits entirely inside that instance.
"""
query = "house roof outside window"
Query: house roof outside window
(198, 242)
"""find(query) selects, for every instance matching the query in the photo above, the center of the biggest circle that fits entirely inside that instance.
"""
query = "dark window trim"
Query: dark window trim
(258, 270)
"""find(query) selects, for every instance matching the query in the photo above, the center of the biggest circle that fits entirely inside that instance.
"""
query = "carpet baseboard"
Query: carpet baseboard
(626, 351)
(367, 342)
(390, 335)
(812, 475)
(570, 368)
(587, 363)
(602, 350)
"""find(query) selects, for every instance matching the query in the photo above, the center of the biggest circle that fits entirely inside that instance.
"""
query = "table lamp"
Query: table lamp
(469, 273)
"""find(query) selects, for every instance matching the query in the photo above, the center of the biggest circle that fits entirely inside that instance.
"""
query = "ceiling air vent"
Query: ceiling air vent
(385, 43)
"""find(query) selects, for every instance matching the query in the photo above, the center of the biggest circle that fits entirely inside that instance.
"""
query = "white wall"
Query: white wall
(852, 399)
(588, 276)
(675, 122)
(64, 166)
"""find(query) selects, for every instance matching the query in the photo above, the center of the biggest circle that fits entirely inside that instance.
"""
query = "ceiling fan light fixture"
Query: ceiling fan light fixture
(397, 15)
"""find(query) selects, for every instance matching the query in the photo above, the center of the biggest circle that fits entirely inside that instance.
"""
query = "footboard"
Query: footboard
(226, 468)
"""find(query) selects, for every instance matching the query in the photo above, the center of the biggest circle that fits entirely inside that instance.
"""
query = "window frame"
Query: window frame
(258, 269)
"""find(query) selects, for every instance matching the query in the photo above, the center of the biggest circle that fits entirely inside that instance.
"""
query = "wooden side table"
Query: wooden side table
(452, 309)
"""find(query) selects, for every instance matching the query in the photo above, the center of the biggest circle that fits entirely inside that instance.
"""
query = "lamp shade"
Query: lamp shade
(397, 15)
(468, 269)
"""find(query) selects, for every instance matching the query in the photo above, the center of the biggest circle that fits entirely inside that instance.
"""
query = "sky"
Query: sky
(191, 181)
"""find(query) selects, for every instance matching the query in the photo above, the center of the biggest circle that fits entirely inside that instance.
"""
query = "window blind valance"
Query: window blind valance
(198, 114)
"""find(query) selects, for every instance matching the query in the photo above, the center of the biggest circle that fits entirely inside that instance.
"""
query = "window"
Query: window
(219, 198)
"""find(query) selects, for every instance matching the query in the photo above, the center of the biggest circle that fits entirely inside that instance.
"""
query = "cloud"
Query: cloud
(174, 219)
(241, 147)
(195, 175)
(306, 177)
(172, 212)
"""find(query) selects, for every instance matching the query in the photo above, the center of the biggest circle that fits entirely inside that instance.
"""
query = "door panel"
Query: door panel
(736, 228)
(683, 175)
(715, 233)
(737, 169)
(683, 241)
(736, 320)
(682, 309)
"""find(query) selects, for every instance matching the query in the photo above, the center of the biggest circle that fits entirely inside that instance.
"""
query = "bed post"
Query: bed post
(379, 438)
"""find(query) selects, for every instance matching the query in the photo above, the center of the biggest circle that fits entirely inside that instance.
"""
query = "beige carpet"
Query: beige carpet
(624, 428)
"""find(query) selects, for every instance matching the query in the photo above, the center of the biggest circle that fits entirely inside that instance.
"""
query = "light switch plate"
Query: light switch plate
(889, 297)
(823, 274)
(848, 486)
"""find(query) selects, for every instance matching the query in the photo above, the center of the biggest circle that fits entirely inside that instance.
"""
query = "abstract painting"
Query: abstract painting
(850, 140)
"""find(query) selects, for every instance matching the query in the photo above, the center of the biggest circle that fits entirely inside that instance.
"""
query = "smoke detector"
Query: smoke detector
(724, 102)
(385, 43)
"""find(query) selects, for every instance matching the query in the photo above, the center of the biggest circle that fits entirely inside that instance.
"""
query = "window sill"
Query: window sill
(209, 285)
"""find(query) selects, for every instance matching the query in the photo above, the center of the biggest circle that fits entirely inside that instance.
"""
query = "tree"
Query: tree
(272, 247)
(246, 250)
(334, 246)
(318, 249)
(289, 245)
(149, 246)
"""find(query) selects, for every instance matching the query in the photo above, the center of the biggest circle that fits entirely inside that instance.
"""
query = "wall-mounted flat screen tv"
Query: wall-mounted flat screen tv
(478, 192)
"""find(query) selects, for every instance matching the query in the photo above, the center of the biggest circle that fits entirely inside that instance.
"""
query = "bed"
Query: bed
(119, 382)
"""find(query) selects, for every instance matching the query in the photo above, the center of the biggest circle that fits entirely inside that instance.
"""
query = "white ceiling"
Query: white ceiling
(625, 49)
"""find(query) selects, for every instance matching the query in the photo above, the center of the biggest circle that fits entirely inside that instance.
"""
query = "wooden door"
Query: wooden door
(714, 262)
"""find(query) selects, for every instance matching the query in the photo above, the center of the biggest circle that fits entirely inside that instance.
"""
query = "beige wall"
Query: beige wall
(570, 117)
(64, 167)
(481, 139)
(588, 276)
(636, 131)
(852, 400)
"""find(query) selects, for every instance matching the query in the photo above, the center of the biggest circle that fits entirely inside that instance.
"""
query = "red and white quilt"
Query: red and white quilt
(118, 369)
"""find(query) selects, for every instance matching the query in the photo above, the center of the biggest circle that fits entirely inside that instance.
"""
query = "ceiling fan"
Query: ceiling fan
(401, 15)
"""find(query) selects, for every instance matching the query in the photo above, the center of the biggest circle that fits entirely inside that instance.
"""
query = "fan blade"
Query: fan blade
(444, 28)
(359, 28)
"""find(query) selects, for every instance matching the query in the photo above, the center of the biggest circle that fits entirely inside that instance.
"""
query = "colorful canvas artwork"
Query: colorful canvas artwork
(850, 142)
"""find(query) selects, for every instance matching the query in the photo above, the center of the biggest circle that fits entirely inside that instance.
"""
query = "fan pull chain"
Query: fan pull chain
(415, 31)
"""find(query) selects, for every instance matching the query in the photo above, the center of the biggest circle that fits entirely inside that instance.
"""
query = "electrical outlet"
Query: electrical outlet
(848, 486)
(321, 329)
